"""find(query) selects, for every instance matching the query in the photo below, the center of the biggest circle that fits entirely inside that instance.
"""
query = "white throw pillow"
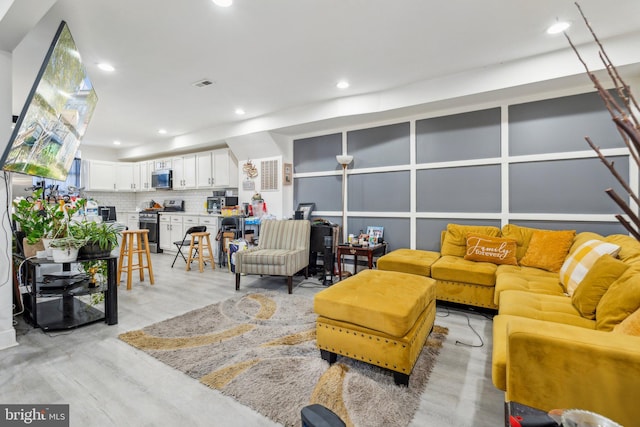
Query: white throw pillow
(578, 263)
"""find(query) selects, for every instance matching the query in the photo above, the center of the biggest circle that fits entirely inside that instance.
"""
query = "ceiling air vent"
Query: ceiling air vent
(202, 83)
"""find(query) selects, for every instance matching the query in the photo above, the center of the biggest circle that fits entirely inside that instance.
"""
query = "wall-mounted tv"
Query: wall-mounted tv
(55, 116)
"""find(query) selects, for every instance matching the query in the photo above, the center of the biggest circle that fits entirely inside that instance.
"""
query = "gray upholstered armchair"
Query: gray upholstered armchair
(283, 250)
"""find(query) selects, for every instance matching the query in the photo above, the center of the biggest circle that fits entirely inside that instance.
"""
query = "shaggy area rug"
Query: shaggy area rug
(260, 349)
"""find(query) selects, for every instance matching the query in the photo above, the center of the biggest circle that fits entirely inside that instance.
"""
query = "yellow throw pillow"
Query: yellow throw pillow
(629, 247)
(600, 276)
(621, 299)
(548, 249)
(576, 266)
(522, 236)
(455, 238)
(496, 250)
(630, 325)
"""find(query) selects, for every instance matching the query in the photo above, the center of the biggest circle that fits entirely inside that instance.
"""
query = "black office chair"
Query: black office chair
(187, 242)
(227, 225)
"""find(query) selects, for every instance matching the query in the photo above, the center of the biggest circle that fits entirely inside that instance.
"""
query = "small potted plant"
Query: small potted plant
(100, 238)
(65, 249)
(32, 219)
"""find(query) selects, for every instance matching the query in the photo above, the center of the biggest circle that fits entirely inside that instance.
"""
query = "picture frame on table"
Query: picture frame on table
(306, 209)
(376, 231)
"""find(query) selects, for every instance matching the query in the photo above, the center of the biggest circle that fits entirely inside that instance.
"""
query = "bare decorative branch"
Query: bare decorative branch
(627, 125)
(615, 173)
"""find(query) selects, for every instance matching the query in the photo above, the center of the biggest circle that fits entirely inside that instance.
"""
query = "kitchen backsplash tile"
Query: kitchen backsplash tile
(194, 200)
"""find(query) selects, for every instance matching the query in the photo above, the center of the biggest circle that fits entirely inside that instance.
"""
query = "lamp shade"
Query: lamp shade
(344, 159)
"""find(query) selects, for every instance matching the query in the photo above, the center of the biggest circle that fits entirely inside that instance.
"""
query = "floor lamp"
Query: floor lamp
(344, 160)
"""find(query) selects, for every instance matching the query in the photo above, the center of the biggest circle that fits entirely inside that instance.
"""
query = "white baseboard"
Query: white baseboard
(8, 338)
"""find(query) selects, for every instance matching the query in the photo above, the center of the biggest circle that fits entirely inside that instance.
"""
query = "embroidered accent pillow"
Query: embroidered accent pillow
(577, 265)
(496, 250)
(454, 240)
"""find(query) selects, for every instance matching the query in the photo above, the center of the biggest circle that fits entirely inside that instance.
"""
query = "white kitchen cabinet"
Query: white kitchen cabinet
(184, 172)
(217, 168)
(100, 176)
(124, 177)
(189, 221)
(160, 164)
(211, 222)
(204, 170)
(133, 221)
(144, 175)
(171, 230)
(225, 168)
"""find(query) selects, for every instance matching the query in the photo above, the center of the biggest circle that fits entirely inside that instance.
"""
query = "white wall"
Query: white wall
(7, 332)
(273, 199)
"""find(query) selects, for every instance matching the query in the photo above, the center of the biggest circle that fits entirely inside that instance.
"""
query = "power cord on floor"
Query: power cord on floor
(474, 331)
(447, 313)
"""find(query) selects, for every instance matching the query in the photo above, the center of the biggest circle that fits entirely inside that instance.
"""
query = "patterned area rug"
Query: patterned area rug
(260, 349)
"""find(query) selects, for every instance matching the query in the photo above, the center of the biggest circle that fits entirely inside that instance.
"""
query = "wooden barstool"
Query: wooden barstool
(134, 242)
(199, 242)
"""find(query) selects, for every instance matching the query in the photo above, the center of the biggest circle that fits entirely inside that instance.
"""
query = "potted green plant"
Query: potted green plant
(59, 215)
(65, 249)
(100, 238)
(32, 219)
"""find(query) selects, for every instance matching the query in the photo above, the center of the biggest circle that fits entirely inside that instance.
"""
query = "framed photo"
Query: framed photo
(287, 174)
(306, 209)
(375, 231)
(248, 185)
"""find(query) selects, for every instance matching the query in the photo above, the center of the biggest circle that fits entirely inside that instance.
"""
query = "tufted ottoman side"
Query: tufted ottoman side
(379, 317)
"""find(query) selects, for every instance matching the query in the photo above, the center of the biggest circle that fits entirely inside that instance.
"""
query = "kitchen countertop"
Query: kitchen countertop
(187, 213)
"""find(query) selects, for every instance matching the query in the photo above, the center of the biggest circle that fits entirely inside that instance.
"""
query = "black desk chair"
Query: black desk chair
(186, 242)
(227, 225)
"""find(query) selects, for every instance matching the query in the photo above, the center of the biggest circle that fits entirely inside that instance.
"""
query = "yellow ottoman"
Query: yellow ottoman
(379, 317)
(414, 261)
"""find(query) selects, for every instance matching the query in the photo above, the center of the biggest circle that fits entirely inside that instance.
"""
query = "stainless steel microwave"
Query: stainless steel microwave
(216, 203)
(162, 179)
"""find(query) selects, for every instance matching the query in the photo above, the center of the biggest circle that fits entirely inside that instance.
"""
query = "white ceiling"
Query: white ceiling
(280, 59)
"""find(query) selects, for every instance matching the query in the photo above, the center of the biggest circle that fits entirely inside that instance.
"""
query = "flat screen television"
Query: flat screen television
(55, 116)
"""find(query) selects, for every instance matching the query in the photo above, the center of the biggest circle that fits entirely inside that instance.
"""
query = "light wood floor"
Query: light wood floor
(109, 383)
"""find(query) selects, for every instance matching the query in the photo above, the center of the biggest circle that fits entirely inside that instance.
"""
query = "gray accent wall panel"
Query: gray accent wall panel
(396, 230)
(379, 192)
(317, 153)
(379, 146)
(560, 124)
(428, 230)
(602, 228)
(464, 189)
(564, 186)
(465, 136)
(324, 191)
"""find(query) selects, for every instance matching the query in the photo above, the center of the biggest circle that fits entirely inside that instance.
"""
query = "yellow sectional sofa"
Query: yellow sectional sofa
(552, 350)
(567, 333)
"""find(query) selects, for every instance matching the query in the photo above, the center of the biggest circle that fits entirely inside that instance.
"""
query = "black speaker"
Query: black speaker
(327, 260)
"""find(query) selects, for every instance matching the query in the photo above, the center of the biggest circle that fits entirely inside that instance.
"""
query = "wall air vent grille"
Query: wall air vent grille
(202, 83)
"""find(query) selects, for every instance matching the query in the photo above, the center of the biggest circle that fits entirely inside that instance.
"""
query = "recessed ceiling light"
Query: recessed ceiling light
(106, 67)
(558, 27)
(240, 111)
(342, 84)
(116, 142)
(223, 3)
(162, 131)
